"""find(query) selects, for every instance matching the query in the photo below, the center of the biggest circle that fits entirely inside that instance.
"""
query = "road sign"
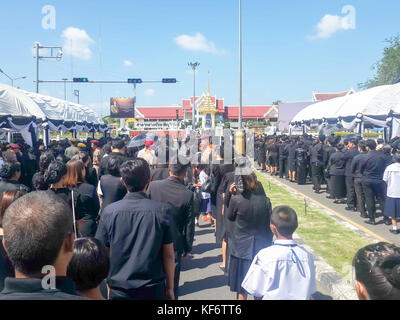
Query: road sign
(168, 80)
(81, 80)
(135, 81)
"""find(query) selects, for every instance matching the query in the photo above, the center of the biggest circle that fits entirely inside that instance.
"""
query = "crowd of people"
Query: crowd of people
(116, 223)
(361, 173)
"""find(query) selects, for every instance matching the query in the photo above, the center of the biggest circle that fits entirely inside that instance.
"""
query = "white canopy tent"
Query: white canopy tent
(24, 111)
(377, 101)
(375, 106)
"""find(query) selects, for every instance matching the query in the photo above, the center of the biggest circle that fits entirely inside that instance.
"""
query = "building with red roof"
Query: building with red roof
(318, 97)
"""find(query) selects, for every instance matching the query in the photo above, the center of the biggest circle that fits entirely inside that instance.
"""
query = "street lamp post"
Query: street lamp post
(38, 57)
(194, 65)
(11, 79)
(76, 94)
(65, 88)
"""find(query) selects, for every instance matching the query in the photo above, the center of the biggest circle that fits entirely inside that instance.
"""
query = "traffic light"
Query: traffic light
(135, 81)
(168, 80)
(81, 80)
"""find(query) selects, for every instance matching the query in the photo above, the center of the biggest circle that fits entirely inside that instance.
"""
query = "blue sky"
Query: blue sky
(285, 56)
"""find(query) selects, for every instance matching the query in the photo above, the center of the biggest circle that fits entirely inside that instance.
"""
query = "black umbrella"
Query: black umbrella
(140, 139)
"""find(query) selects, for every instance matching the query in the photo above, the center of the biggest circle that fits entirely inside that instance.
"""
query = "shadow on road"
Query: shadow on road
(199, 263)
(203, 284)
(203, 247)
(203, 232)
(320, 296)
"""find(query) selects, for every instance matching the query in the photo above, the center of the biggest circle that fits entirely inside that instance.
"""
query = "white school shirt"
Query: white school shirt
(392, 177)
(273, 274)
(203, 178)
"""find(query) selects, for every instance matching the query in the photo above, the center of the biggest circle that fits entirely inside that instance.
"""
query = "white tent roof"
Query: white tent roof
(377, 101)
(12, 102)
(16, 102)
(58, 109)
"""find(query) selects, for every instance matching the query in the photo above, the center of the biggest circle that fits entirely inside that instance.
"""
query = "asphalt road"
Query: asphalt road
(201, 278)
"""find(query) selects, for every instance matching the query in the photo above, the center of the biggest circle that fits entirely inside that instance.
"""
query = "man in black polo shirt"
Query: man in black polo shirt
(38, 236)
(138, 232)
(374, 187)
(349, 154)
(179, 198)
(118, 149)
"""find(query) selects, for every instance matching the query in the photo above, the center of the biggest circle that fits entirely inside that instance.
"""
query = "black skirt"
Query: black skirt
(338, 185)
(392, 207)
(238, 269)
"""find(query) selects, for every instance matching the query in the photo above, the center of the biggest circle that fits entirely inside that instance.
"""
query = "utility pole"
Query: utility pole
(11, 79)
(194, 65)
(38, 57)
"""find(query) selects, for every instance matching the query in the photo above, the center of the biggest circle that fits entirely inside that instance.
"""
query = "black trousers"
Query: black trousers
(351, 193)
(375, 192)
(282, 167)
(177, 276)
(317, 173)
(360, 196)
(154, 292)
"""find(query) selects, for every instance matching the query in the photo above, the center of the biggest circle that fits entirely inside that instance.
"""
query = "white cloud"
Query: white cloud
(77, 43)
(128, 63)
(197, 42)
(149, 92)
(331, 24)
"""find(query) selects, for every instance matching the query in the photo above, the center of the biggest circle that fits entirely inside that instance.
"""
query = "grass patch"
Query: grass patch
(332, 241)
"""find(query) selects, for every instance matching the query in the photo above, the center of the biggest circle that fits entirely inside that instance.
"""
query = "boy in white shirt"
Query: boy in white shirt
(283, 271)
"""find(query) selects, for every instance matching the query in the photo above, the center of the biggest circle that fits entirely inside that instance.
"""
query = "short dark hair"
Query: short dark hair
(284, 219)
(113, 165)
(89, 264)
(8, 169)
(396, 156)
(370, 143)
(354, 141)
(38, 182)
(35, 227)
(118, 144)
(135, 174)
(377, 266)
(362, 145)
(45, 159)
(179, 168)
(55, 172)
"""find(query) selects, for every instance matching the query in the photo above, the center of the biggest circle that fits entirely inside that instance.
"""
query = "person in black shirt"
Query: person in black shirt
(292, 160)
(86, 200)
(328, 151)
(336, 169)
(317, 164)
(274, 157)
(118, 149)
(349, 154)
(111, 188)
(372, 170)
(283, 156)
(179, 199)
(356, 171)
(301, 163)
(10, 173)
(138, 232)
(89, 267)
(38, 233)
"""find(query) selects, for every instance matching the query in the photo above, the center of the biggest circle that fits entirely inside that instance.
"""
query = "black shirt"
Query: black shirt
(373, 165)
(337, 164)
(348, 156)
(112, 188)
(356, 164)
(173, 192)
(160, 172)
(317, 153)
(32, 289)
(135, 229)
(6, 268)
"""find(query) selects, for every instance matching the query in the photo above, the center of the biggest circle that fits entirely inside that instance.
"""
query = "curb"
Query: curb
(326, 276)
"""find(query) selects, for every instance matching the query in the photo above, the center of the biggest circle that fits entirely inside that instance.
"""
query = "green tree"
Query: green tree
(388, 68)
